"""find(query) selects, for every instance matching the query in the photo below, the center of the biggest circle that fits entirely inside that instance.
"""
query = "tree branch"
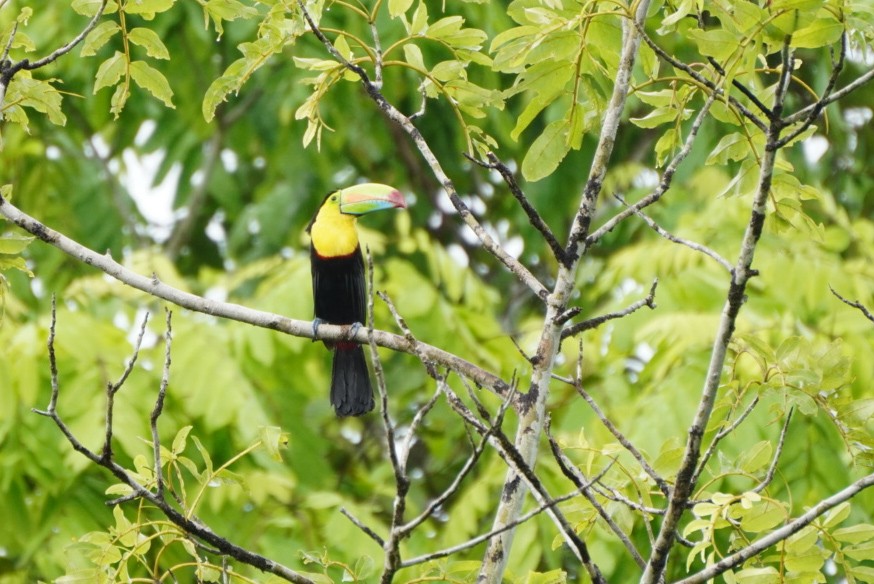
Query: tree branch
(664, 183)
(855, 304)
(575, 476)
(8, 70)
(597, 321)
(534, 217)
(693, 245)
(532, 408)
(298, 328)
(186, 524)
(735, 299)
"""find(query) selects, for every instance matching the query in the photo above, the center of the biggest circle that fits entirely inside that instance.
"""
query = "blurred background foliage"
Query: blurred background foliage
(219, 208)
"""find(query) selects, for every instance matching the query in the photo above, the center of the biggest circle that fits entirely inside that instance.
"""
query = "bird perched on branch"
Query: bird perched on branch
(339, 285)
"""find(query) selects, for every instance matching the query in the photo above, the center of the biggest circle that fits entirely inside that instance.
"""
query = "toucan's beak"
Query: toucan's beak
(369, 197)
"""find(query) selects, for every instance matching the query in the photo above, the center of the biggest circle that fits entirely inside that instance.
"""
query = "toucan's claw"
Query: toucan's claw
(317, 322)
(353, 329)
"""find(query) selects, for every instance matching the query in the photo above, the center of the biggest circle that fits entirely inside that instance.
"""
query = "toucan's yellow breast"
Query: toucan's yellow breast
(333, 233)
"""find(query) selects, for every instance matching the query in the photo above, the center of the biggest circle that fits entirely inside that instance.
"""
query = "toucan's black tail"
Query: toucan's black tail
(351, 392)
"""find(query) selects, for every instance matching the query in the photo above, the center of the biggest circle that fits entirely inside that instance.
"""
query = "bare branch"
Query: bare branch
(664, 183)
(534, 217)
(524, 474)
(855, 304)
(780, 534)
(579, 480)
(772, 468)
(819, 106)
(728, 429)
(679, 240)
(299, 328)
(487, 536)
(735, 299)
(159, 407)
(357, 522)
(112, 389)
(191, 526)
(597, 321)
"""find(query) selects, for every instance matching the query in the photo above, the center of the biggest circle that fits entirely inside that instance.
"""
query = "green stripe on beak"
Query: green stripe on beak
(369, 197)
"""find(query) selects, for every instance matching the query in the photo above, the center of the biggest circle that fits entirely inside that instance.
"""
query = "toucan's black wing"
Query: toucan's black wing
(339, 290)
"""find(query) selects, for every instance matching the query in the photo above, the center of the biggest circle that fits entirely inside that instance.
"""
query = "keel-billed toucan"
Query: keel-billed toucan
(339, 287)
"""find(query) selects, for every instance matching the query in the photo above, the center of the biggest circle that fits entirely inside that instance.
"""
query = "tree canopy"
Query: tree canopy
(622, 333)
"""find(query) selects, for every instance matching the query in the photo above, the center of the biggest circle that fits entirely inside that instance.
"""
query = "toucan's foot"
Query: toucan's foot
(353, 329)
(317, 322)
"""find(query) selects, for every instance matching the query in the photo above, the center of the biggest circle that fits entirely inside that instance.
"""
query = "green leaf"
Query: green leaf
(768, 575)
(413, 56)
(13, 244)
(734, 146)
(659, 116)
(222, 10)
(718, 43)
(153, 81)
(836, 515)
(763, 517)
(149, 40)
(546, 152)
(398, 7)
(99, 37)
(90, 7)
(274, 440)
(821, 33)
(110, 71)
(147, 8)
(119, 99)
(862, 551)
(755, 457)
(180, 440)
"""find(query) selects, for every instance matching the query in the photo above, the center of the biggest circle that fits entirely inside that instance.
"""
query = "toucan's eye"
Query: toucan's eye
(334, 198)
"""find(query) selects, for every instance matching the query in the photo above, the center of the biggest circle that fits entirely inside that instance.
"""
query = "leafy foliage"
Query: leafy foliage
(207, 106)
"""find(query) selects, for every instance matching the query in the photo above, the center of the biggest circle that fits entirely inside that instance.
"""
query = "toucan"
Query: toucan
(339, 290)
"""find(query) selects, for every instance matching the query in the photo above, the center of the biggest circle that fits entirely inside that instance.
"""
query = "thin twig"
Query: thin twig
(357, 522)
(664, 183)
(660, 482)
(772, 468)
(451, 489)
(487, 536)
(741, 274)
(112, 389)
(677, 239)
(715, 88)
(159, 407)
(819, 106)
(728, 429)
(579, 480)
(597, 321)
(58, 53)
(524, 472)
(855, 304)
(534, 217)
(391, 547)
(190, 526)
